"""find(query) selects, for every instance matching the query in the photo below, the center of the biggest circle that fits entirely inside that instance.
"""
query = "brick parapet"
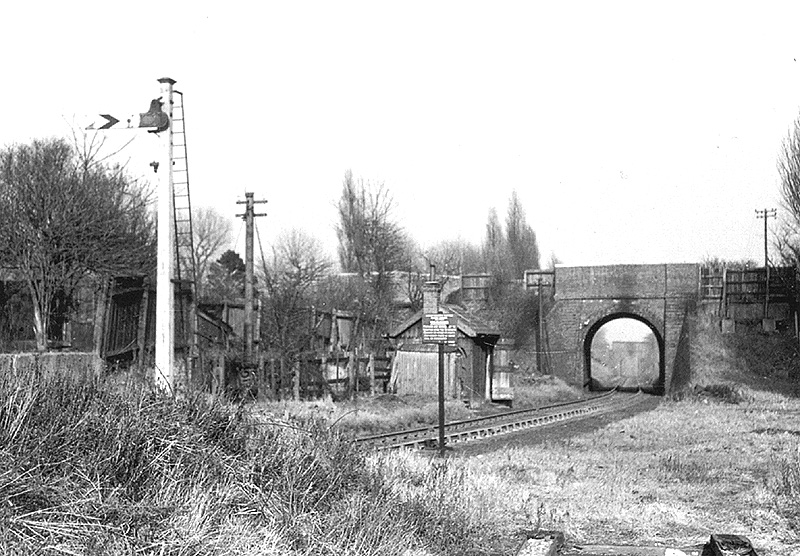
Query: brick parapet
(626, 281)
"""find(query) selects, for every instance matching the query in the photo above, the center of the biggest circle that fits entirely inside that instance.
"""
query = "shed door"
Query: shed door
(478, 373)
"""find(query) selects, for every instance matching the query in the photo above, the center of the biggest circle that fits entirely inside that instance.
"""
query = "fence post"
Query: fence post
(336, 359)
(724, 292)
(352, 373)
(282, 376)
(272, 376)
(371, 371)
(263, 385)
(296, 381)
(220, 375)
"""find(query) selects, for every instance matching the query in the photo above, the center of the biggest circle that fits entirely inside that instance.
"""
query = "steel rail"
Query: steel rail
(492, 425)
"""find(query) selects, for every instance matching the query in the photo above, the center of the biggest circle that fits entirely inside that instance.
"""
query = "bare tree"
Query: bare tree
(788, 236)
(370, 239)
(789, 169)
(553, 261)
(372, 244)
(64, 217)
(522, 250)
(507, 254)
(493, 244)
(289, 278)
(787, 241)
(212, 234)
(446, 256)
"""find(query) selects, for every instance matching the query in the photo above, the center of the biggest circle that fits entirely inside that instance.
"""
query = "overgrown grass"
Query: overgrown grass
(538, 390)
(722, 457)
(367, 416)
(94, 466)
(671, 476)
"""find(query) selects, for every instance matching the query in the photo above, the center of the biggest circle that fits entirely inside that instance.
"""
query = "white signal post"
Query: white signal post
(165, 371)
(161, 120)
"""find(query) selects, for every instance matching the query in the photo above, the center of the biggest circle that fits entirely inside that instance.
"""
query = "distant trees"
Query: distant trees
(453, 257)
(290, 277)
(522, 249)
(226, 277)
(370, 238)
(212, 233)
(65, 216)
(508, 253)
(493, 244)
(372, 244)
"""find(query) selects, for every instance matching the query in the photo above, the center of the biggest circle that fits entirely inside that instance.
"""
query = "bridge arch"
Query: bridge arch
(591, 331)
(662, 296)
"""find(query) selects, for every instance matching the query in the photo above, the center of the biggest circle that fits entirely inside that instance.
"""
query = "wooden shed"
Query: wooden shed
(468, 364)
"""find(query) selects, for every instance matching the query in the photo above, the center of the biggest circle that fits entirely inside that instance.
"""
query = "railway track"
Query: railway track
(502, 423)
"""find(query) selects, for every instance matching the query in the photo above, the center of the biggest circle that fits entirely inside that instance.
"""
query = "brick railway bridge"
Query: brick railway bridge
(662, 296)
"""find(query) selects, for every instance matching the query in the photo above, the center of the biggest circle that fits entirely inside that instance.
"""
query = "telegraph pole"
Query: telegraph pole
(248, 216)
(165, 290)
(766, 214)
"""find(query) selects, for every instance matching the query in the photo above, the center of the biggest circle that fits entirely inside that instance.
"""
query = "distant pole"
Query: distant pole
(248, 280)
(165, 295)
(539, 325)
(248, 216)
(766, 214)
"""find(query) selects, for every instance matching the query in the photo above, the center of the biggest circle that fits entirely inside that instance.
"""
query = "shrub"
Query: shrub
(726, 393)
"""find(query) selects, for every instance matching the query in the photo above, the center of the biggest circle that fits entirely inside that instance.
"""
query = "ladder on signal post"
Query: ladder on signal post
(185, 268)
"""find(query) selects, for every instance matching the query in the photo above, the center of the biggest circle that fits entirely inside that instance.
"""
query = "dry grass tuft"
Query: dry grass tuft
(368, 416)
(102, 467)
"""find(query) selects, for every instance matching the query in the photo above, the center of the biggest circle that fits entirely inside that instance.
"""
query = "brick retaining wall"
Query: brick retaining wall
(50, 362)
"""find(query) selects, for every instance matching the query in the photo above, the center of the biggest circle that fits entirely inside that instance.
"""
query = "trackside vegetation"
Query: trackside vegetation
(103, 465)
(93, 465)
(720, 456)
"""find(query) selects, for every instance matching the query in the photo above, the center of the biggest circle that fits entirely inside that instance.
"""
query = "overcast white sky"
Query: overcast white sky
(632, 131)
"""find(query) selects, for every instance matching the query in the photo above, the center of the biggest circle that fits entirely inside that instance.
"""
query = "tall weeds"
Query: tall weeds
(94, 466)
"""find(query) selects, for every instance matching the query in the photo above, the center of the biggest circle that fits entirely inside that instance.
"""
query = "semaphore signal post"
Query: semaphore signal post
(158, 119)
(165, 371)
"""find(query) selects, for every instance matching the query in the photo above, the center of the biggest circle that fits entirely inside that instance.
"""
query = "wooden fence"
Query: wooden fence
(338, 375)
(744, 295)
(748, 285)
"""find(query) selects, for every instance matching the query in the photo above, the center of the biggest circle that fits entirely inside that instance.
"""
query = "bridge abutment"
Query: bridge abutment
(661, 296)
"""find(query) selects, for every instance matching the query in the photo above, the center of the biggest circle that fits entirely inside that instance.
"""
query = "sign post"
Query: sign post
(440, 328)
(441, 400)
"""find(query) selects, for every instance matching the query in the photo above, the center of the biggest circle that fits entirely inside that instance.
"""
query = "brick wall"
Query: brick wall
(632, 281)
(50, 363)
(661, 296)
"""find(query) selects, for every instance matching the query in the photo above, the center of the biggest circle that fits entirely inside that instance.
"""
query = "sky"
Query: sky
(633, 132)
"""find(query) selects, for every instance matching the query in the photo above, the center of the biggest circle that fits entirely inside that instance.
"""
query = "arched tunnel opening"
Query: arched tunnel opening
(625, 352)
